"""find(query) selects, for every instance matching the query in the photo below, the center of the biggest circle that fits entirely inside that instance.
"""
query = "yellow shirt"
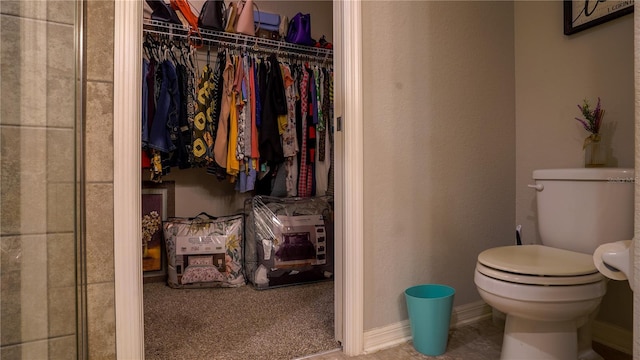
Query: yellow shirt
(233, 165)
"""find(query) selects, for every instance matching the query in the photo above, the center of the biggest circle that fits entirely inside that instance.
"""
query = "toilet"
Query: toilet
(550, 292)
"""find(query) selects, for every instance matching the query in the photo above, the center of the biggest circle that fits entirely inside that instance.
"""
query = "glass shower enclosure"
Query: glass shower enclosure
(41, 283)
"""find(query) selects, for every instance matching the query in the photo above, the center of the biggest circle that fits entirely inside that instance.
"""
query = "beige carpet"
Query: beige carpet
(238, 323)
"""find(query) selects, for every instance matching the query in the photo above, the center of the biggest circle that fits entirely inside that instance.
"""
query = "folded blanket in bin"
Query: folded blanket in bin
(288, 241)
(204, 252)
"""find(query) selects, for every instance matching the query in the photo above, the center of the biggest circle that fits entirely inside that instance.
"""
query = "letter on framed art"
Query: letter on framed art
(583, 14)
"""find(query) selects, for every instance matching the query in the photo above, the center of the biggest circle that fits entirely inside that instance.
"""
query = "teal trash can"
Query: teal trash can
(429, 307)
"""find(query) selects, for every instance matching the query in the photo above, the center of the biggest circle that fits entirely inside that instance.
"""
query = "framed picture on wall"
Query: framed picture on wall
(583, 14)
(158, 204)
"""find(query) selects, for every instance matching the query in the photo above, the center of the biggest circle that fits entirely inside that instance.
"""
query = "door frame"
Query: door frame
(127, 178)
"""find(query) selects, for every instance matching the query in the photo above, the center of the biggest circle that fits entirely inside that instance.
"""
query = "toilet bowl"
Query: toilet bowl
(550, 292)
(547, 295)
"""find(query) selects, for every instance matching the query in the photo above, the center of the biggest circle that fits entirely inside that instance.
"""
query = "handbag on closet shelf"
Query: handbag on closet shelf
(245, 23)
(267, 21)
(212, 15)
(230, 18)
(299, 31)
(160, 11)
(268, 34)
(184, 8)
(267, 24)
(284, 26)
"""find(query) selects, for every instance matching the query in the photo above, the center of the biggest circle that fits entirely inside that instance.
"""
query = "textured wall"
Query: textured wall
(99, 179)
(439, 146)
(554, 73)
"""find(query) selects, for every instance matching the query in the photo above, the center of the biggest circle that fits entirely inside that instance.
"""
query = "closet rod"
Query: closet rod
(220, 44)
(232, 40)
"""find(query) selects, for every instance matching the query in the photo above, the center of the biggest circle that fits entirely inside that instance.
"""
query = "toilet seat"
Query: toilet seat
(537, 279)
(538, 265)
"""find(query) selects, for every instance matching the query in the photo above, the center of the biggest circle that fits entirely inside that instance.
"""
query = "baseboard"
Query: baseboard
(394, 334)
(391, 335)
(470, 313)
(613, 336)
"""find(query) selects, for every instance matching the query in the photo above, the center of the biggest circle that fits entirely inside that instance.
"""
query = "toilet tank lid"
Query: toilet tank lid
(604, 174)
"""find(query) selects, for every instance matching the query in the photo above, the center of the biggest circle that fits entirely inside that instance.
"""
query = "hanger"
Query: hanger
(183, 54)
(146, 47)
(172, 54)
(152, 45)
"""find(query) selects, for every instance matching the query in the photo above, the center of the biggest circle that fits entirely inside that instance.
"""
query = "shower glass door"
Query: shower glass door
(40, 80)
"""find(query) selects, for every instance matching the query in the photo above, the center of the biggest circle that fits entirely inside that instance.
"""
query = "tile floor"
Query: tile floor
(479, 341)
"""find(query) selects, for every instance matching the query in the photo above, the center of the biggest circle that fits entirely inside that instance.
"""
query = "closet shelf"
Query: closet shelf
(240, 41)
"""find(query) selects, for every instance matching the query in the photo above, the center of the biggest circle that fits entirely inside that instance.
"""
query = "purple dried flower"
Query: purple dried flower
(592, 118)
(584, 123)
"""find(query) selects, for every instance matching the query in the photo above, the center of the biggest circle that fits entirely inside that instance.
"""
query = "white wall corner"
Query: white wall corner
(391, 335)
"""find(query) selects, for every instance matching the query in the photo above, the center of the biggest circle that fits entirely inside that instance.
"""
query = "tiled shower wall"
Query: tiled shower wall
(37, 268)
(37, 118)
(99, 179)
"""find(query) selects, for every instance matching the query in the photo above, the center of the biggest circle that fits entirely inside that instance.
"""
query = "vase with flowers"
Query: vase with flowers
(594, 150)
(151, 223)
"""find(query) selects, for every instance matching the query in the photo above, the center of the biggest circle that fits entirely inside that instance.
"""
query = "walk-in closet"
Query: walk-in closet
(237, 169)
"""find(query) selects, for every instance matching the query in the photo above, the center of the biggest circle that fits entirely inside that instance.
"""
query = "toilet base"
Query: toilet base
(589, 354)
(544, 322)
(585, 350)
(526, 339)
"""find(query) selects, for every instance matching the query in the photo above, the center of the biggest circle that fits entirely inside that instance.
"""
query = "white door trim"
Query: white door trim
(348, 56)
(127, 251)
(126, 182)
(338, 182)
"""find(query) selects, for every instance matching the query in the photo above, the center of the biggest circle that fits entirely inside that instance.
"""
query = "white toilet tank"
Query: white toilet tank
(580, 209)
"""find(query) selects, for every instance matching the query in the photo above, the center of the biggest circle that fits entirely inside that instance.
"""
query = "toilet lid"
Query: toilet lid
(538, 264)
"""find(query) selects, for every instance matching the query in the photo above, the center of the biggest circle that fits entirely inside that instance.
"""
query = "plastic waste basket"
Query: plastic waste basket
(429, 307)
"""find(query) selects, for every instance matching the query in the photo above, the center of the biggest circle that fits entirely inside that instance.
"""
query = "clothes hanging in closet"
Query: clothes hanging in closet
(260, 122)
(167, 84)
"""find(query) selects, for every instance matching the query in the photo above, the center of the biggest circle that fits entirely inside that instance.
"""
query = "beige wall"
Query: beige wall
(197, 191)
(553, 74)
(439, 146)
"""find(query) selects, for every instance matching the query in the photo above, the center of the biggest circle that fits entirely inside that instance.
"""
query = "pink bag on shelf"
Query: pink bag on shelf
(245, 23)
